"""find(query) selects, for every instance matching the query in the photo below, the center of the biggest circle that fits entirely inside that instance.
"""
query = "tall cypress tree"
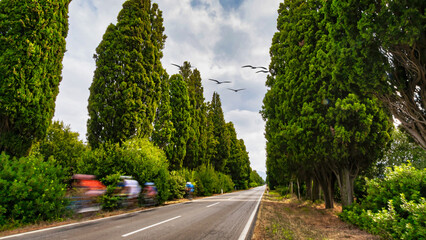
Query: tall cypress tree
(196, 144)
(163, 126)
(181, 120)
(238, 161)
(32, 46)
(321, 112)
(126, 85)
(221, 143)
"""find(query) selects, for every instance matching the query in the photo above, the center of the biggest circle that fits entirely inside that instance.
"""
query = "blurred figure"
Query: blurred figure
(129, 190)
(85, 192)
(189, 190)
(150, 193)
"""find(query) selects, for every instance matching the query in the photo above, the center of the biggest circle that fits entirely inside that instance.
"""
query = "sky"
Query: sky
(217, 37)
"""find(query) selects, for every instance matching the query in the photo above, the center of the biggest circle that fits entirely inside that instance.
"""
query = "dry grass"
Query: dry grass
(280, 218)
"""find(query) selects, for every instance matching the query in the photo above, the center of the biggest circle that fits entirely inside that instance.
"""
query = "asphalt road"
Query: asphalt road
(227, 216)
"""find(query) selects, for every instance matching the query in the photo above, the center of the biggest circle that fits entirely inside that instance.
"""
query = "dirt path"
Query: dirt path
(280, 218)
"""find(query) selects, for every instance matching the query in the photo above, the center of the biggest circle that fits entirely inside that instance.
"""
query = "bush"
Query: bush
(31, 190)
(177, 185)
(208, 181)
(205, 181)
(394, 207)
(108, 200)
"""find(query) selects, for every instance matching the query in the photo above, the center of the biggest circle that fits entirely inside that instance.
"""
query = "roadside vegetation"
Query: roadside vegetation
(142, 123)
(340, 73)
(286, 217)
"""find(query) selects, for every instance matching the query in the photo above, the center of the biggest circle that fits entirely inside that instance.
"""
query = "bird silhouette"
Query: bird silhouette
(219, 82)
(262, 71)
(236, 90)
(252, 67)
(180, 67)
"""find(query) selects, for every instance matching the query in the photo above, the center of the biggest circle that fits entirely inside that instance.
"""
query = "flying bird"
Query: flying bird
(236, 90)
(252, 67)
(219, 82)
(180, 67)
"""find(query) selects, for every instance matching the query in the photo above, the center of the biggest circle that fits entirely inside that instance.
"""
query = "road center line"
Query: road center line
(213, 204)
(168, 220)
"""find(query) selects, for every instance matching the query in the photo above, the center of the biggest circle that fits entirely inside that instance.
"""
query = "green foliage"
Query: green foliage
(32, 45)
(138, 158)
(197, 140)
(220, 142)
(63, 145)
(177, 184)
(321, 114)
(208, 181)
(31, 189)
(163, 126)
(126, 86)
(255, 179)
(238, 164)
(402, 149)
(181, 120)
(109, 201)
(395, 206)
(397, 30)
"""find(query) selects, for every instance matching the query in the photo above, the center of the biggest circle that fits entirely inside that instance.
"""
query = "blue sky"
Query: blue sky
(215, 36)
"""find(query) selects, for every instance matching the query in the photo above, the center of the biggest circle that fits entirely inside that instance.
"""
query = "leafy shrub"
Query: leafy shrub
(205, 181)
(63, 144)
(108, 200)
(177, 185)
(208, 181)
(31, 190)
(394, 207)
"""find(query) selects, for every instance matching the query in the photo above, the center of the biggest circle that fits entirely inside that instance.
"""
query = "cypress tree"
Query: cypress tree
(32, 46)
(163, 126)
(196, 145)
(238, 161)
(219, 134)
(181, 120)
(126, 86)
(321, 112)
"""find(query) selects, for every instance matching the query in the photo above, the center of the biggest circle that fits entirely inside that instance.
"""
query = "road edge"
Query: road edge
(248, 229)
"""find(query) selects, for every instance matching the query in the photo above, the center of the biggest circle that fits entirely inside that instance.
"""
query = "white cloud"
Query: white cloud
(215, 40)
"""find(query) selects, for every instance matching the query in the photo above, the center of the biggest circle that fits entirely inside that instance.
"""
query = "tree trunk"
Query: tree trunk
(326, 180)
(346, 185)
(315, 190)
(308, 188)
(291, 187)
(298, 188)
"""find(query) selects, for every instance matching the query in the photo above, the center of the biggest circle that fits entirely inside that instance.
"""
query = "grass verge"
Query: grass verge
(290, 218)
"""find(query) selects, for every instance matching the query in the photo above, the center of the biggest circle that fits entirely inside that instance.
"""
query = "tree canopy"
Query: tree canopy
(32, 46)
(126, 86)
(322, 116)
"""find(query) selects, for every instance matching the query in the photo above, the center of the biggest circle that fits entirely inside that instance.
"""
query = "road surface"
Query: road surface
(227, 216)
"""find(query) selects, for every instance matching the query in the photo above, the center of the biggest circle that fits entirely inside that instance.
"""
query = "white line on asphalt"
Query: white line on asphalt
(168, 220)
(247, 227)
(213, 204)
(230, 198)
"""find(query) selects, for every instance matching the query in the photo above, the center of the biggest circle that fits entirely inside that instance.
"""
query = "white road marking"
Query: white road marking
(230, 198)
(213, 204)
(139, 230)
(247, 227)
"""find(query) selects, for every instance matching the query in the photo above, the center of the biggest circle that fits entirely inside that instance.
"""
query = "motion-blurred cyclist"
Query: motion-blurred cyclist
(189, 190)
(150, 193)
